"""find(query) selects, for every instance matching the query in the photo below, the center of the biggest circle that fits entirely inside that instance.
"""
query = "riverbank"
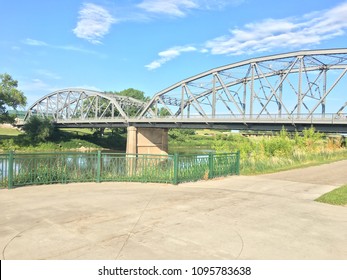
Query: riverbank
(12, 139)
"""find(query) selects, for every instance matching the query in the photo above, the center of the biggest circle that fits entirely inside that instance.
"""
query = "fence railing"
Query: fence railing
(47, 168)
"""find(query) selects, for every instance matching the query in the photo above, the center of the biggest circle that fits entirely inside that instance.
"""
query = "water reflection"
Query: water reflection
(185, 150)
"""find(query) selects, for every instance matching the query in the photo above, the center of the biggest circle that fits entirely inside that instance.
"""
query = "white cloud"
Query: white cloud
(218, 4)
(168, 55)
(78, 49)
(36, 87)
(36, 43)
(179, 8)
(32, 42)
(270, 34)
(170, 7)
(48, 74)
(94, 23)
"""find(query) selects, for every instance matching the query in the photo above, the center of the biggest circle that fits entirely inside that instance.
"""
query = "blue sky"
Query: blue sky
(152, 44)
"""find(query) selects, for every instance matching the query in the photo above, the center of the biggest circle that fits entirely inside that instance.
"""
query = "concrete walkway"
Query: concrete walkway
(254, 217)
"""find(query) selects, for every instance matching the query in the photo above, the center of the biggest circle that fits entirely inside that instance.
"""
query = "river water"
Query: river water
(183, 150)
(190, 150)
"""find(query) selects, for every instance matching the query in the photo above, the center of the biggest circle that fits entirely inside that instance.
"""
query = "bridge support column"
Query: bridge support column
(147, 140)
(131, 140)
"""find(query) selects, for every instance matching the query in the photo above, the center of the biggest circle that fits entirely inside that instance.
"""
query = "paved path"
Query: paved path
(254, 217)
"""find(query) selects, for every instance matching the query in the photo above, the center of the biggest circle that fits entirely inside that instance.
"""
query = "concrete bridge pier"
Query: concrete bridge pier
(147, 140)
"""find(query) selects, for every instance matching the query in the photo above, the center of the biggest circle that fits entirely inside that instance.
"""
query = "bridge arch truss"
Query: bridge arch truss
(84, 105)
(301, 85)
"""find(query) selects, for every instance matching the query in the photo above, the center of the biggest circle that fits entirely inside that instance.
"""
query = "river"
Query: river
(184, 150)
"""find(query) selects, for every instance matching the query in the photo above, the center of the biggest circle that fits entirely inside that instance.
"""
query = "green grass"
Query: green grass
(335, 197)
(78, 131)
(251, 166)
(4, 131)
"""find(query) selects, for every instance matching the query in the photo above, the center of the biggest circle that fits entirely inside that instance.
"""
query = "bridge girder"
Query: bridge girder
(85, 104)
(292, 84)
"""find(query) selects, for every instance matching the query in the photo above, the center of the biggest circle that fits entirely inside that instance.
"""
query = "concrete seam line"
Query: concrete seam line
(134, 226)
(17, 235)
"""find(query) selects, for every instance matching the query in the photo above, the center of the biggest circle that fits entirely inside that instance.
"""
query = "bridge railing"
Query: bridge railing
(286, 119)
(64, 167)
(254, 117)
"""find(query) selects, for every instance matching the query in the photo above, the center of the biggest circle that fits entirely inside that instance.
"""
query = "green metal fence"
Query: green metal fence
(47, 168)
(136, 168)
(4, 163)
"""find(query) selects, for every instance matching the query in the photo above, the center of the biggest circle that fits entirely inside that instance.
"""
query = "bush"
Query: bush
(39, 129)
(181, 134)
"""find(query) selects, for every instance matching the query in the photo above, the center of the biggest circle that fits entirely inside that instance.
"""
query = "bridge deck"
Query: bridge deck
(330, 123)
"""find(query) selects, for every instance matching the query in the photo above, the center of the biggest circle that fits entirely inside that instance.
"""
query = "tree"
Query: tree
(163, 112)
(10, 96)
(134, 93)
(39, 129)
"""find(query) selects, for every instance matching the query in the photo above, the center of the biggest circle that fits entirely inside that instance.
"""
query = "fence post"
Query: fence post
(176, 166)
(10, 169)
(237, 163)
(210, 166)
(98, 167)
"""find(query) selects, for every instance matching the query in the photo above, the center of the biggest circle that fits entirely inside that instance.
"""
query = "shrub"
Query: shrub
(39, 129)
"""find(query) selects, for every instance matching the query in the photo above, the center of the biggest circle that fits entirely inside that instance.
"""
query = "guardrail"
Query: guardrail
(329, 117)
(48, 168)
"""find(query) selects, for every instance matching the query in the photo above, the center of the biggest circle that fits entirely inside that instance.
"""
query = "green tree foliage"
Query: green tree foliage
(129, 110)
(130, 92)
(134, 93)
(311, 137)
(181, 135)
(269, 153)
(163, 112)
(232, 143)
(140, 95)
(10, 96)
(39, 129)
(281, 145)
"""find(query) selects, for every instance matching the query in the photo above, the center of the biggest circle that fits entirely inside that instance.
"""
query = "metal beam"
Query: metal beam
(327, 93)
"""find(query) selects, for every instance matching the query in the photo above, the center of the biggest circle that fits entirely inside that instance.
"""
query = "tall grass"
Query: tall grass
(266, 154)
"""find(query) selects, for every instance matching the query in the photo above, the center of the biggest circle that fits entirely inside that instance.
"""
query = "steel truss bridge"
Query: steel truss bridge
(293, 90)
